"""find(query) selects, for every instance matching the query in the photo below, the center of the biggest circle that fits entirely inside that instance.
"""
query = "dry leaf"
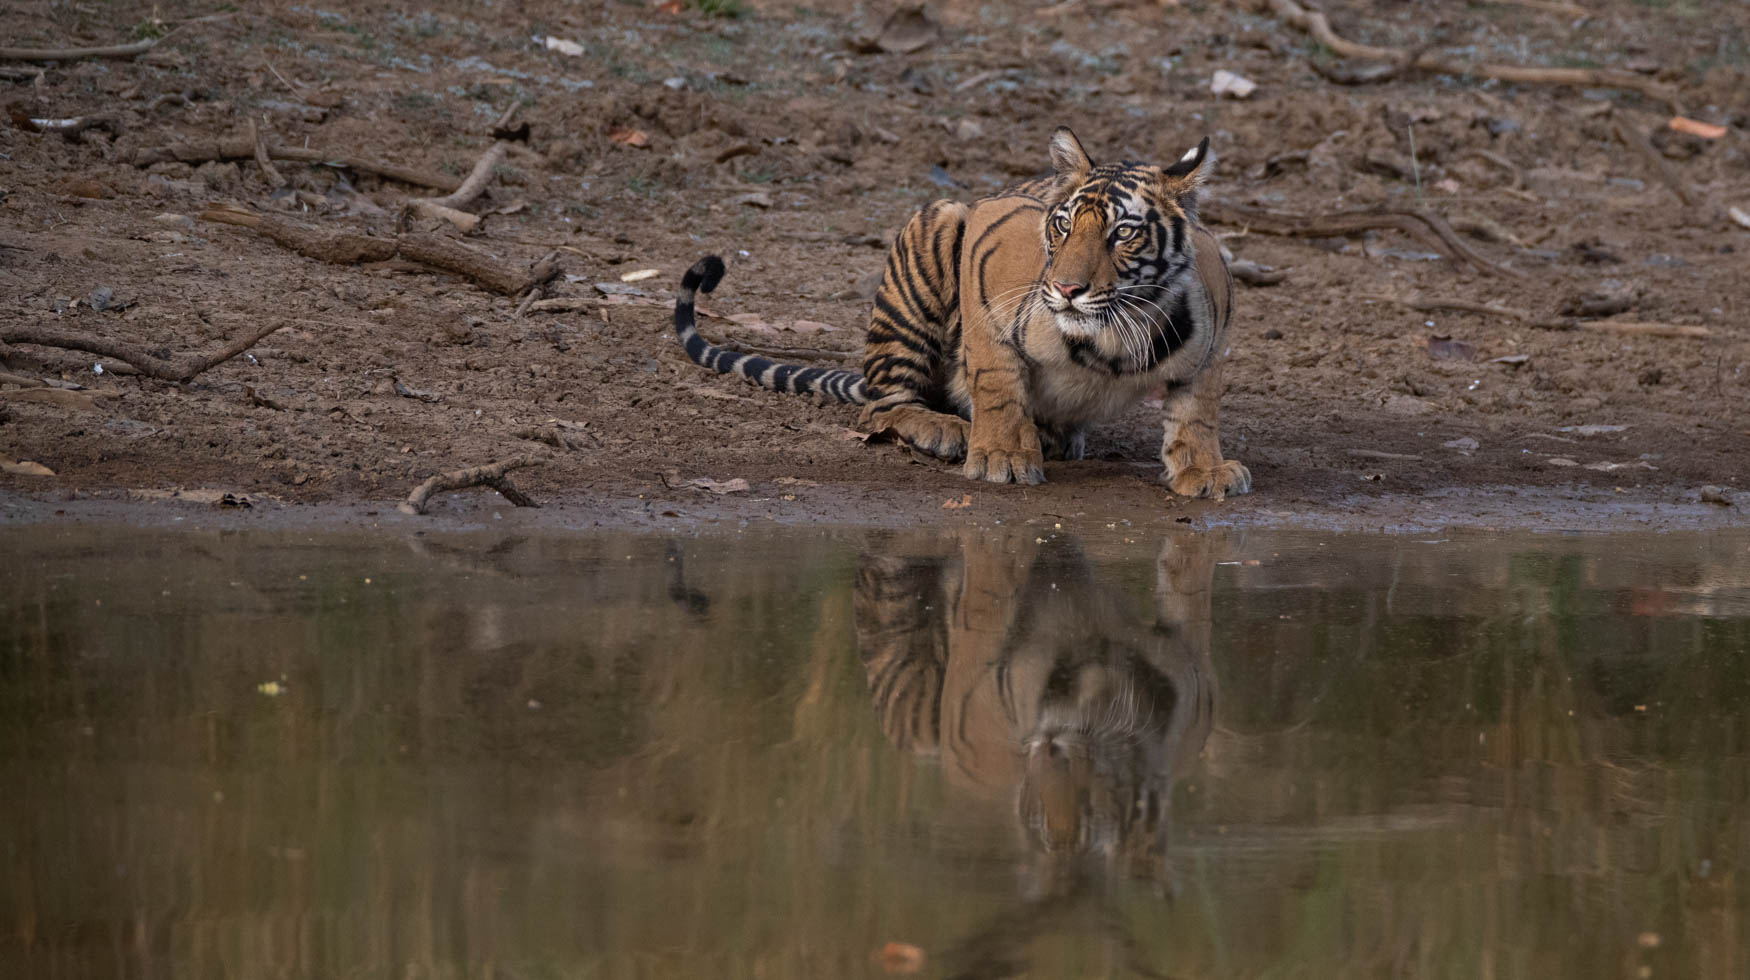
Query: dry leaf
(1695, 127)
(563, 46)
(952, 504)
(864, 436)
(630, 137)
(1739, 215)
(669, 7)
(641, 275)
(25, 467)
(901, 958)
(810, 326)
(736, 485)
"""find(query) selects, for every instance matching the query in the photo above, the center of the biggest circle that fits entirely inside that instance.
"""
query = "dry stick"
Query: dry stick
(555, 437)
(205, 151)
(272, 173)
(491, 475)
(1318, 26)
(133, 50)
(283, 80)
(448, 207)
(1490, 156)
(1423, 225)
(1635, 141)
(1430, 305)
(347, 248)
(1563, 9)
(180, 371)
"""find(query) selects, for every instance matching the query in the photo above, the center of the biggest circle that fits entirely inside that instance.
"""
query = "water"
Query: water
(849, 754)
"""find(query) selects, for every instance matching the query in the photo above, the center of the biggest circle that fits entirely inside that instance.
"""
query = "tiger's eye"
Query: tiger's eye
(1125, 233)
(1061, 223)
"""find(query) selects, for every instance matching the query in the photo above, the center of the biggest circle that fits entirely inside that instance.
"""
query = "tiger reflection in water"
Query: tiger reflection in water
(1022, 673)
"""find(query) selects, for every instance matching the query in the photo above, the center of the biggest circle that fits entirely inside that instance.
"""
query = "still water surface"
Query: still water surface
(855, 754)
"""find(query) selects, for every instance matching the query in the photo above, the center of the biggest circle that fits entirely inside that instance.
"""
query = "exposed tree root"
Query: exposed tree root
(1645, 329)
(347, 248)
(1315, 24)
(133, 50)
(491, 475)
(243, 148)
(180, 371)
(1423, 225)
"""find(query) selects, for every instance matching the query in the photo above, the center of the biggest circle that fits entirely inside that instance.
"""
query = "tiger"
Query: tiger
(1003, 330)
(1022, 674)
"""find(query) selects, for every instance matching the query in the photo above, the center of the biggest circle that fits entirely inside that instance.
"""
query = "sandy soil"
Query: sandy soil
(771, 140)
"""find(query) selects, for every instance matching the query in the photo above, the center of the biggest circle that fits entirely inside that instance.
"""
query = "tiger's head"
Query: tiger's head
(1117, 236)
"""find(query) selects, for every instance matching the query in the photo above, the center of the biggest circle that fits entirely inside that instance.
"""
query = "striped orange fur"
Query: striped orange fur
(1004, 329)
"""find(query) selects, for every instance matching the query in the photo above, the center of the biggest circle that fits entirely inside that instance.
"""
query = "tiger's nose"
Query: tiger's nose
(1070, 289)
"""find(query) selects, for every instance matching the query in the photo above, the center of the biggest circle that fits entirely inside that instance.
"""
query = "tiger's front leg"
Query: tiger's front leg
(1004, 443)
(1191, 444)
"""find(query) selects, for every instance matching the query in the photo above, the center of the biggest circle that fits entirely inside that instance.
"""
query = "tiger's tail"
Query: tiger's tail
(838, 385)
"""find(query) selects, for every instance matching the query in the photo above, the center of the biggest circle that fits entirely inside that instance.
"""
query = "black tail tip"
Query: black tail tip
(704, 275)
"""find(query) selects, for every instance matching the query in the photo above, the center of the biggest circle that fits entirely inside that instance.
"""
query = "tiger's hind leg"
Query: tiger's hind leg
(1063, 441)
(918, 425)
(914, 335)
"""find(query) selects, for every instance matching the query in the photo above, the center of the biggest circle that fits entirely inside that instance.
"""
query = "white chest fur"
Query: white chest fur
(1086, 380)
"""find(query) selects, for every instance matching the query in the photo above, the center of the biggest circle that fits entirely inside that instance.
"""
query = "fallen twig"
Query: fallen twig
(1636, 141)
(1316, 25)
(83, 399)
(1491, 157)
(528, 300)
(477, 178)
(1548, 7)
(204, 151)
(180, 371)
(1421, 224)
(185, 98)
(448, 208)
(64, 128)
(1253, 274)
(491, 475)
(1486, 229)
(556, 437)
(133, 50)
(346, 248)
(1430, 305)
(262, 160)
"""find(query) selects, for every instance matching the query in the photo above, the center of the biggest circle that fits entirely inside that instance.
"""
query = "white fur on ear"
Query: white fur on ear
(1193, 164)
(1067, 155)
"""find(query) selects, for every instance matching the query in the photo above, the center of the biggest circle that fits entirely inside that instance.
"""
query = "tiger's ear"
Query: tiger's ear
(1186, 174)
(1067, 155)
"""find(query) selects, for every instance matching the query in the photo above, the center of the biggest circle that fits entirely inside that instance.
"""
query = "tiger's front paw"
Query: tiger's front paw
(1214, 482)
(1016, 458)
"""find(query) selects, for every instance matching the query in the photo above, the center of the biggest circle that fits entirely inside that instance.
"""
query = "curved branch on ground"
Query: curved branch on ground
(1318, 26)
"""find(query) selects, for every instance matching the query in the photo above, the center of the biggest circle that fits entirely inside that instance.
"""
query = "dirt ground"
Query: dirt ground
(771, 137)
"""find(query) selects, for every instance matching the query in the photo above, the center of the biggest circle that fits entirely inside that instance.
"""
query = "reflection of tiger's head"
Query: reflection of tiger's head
(1028, 677)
